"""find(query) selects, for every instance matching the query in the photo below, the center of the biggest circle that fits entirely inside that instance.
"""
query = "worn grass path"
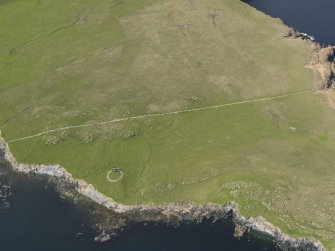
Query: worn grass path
(158, 115)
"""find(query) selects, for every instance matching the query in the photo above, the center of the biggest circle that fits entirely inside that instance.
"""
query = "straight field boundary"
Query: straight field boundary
(158, 115)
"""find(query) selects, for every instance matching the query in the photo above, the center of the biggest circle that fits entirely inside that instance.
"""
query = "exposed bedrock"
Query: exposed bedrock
(112, 217)
(5, 193)
(323, 59)
(323, 62)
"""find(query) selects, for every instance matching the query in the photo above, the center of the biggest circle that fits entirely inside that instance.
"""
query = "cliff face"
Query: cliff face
(323, 59)
(323, 62)
(114, 216)
(5, 190)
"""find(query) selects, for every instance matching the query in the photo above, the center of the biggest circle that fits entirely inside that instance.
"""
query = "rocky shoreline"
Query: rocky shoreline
(118, 216)
(323, 59)
(5, 193)
(5, 190)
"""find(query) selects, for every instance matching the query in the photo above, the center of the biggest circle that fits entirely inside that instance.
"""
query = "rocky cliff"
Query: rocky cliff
(116, 216)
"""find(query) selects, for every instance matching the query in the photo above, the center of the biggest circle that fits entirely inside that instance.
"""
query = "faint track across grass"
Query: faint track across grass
(159, 115)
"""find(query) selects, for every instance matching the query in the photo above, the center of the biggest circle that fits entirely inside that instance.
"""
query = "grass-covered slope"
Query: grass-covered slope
(69, 63)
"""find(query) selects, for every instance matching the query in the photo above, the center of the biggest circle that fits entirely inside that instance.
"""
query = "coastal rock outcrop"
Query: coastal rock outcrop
(323, 62)
(5, 193)
(323, 59)
(293, 33)
(117, 216)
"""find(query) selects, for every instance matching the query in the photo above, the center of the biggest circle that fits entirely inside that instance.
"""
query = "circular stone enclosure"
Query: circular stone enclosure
(114, 176)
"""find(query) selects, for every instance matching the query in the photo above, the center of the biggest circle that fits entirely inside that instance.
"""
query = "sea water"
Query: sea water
(314, 17)
(39, 219)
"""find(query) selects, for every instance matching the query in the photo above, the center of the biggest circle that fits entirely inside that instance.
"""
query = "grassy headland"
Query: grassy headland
(71, 63)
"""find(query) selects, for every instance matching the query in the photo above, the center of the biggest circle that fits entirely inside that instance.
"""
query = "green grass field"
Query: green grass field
(71, 63)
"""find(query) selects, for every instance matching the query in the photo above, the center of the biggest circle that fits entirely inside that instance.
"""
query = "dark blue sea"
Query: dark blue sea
(39, 219)
(314, 17)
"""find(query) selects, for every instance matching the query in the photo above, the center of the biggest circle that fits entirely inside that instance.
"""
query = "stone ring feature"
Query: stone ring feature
(114, 170)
